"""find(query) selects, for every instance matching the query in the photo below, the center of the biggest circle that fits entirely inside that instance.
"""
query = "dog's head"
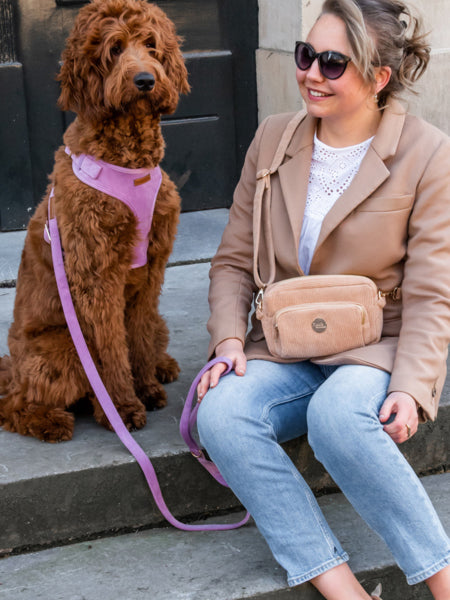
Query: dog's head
(120, 54)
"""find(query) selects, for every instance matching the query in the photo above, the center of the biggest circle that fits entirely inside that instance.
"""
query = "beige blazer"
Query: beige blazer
(392, 224)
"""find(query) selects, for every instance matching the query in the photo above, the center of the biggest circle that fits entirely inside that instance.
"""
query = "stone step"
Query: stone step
(167, 564)
(51, 494)
(92, 485)
(198, 236)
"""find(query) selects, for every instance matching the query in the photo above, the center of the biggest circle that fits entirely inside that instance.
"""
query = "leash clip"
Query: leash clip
(47, 231)
(197, 454)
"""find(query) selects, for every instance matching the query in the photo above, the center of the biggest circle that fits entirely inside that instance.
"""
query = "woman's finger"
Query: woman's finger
(203, 385)
(240, 365)
(216, 373)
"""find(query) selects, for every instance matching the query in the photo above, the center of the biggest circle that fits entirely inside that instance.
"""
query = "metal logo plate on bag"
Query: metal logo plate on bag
(319, 325)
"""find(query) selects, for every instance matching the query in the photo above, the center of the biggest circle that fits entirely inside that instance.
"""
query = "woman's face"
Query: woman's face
(348, 97)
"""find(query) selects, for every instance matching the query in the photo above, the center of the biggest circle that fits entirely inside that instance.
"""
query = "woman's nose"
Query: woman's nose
(314, 72)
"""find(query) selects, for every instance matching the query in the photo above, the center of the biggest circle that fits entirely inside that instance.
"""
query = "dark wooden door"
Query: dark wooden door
(206, 138)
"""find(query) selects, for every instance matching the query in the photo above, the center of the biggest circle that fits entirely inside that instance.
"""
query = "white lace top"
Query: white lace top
(332, 171)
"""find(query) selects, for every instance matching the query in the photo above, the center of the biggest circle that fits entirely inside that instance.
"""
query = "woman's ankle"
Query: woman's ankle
(439, 584)
(339, 583)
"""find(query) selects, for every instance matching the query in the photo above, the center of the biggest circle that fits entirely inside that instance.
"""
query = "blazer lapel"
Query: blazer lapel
(294, 174)
(370, 175)
(372, 172)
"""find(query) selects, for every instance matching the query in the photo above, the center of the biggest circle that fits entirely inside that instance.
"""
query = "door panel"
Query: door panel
(200, 140)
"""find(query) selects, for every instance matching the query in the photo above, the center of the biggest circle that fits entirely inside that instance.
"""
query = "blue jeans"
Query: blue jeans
(242, 422)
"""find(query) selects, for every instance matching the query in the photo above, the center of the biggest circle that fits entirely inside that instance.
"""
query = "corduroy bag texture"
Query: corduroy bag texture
(316, 315)
(311, 315)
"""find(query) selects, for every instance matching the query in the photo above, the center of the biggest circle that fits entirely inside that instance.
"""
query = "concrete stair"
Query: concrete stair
(77, 520)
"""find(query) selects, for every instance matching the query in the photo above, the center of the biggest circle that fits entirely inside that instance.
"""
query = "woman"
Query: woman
(364, 189)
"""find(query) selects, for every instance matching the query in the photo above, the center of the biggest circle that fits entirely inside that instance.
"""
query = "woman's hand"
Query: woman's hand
(231, 348)
(406, 419)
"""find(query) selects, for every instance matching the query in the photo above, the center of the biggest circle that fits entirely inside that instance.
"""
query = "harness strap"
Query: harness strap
(136, 188)
(188, 416)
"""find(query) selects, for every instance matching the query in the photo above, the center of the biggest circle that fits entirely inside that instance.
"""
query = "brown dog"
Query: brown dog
(122, 68)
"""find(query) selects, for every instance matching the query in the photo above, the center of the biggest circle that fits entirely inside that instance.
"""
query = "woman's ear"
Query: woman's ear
(382, 77)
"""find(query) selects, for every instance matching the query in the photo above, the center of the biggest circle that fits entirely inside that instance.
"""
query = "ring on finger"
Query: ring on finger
(408, 431)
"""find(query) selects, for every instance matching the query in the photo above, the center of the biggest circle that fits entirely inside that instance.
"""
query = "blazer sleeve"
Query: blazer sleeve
(231, 275)
(425, 332)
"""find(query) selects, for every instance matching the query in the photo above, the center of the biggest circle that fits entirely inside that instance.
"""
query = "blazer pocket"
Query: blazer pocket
(386, 203)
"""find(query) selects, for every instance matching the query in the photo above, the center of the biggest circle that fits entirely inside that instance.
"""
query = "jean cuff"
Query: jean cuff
(330, 564)
(429, 571)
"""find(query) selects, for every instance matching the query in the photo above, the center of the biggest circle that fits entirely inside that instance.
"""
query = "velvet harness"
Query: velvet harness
(137, 188)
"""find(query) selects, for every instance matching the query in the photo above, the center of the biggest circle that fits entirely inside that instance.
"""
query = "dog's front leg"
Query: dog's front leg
(105, 320)
(147, 330)
(97, 267)
(148, 339)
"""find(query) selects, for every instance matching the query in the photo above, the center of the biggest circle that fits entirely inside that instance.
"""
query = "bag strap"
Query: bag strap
(188, 418)
(261, 207)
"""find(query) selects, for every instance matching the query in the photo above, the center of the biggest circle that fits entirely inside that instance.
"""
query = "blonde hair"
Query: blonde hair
(384, 33)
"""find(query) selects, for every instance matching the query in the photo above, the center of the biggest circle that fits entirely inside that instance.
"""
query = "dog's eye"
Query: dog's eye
(116, 50)
(150, 44)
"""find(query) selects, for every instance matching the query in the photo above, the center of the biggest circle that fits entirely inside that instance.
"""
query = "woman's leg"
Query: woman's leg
(439, 584)
(241, 423)
(347, 437)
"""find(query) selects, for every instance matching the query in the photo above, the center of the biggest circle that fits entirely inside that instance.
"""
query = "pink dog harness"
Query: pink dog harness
(137, 188)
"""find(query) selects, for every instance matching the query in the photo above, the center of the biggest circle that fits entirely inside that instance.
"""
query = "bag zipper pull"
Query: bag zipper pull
(393, 294)
(259, 299)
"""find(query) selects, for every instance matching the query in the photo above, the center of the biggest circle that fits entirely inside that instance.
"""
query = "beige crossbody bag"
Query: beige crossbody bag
(311, 315)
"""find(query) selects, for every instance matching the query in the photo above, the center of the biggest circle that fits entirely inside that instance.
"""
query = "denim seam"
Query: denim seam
(320, 519)
(426, 573)
(278, 402)
(330, 564)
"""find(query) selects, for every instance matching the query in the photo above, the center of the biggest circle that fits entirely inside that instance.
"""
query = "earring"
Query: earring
(375, 98)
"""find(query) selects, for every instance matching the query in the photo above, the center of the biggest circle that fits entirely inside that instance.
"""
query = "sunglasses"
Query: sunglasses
(331, 64)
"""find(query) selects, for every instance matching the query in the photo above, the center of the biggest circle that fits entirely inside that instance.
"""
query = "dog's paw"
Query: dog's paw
(167, 369)
(133, 415)
(154, 396)
(51, 425)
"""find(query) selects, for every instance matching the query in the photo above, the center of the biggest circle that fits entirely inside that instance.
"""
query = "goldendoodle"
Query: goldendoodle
(122, 68)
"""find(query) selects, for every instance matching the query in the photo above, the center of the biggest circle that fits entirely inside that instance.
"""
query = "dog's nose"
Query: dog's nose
(144, 81)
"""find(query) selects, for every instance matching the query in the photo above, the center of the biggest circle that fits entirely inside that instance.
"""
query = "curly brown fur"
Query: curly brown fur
(111, 42)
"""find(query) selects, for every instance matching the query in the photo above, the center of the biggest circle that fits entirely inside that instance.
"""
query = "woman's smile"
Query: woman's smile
(315, 94)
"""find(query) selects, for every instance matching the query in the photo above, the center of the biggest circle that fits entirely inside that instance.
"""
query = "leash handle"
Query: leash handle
(103, 397)
(189, 417)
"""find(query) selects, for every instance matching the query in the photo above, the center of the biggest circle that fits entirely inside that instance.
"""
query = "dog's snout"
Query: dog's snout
(144, 81)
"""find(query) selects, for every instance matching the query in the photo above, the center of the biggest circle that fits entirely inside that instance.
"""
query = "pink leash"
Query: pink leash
(188, 416)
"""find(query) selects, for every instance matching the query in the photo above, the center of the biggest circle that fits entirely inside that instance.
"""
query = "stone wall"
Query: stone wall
(283, 22)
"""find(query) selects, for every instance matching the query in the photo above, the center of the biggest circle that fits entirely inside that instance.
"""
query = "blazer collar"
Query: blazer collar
(294, 172)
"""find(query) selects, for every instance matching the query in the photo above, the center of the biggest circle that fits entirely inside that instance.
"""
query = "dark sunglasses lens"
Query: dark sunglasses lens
(332, 65)
(304, 56)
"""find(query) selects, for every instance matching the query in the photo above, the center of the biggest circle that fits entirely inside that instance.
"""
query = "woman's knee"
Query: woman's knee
(345, 405)
(208, 417)
(222, 411)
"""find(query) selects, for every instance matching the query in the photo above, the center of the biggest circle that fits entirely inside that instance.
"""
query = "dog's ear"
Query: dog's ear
(79, 76)
(174, 65)
(176, 68)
